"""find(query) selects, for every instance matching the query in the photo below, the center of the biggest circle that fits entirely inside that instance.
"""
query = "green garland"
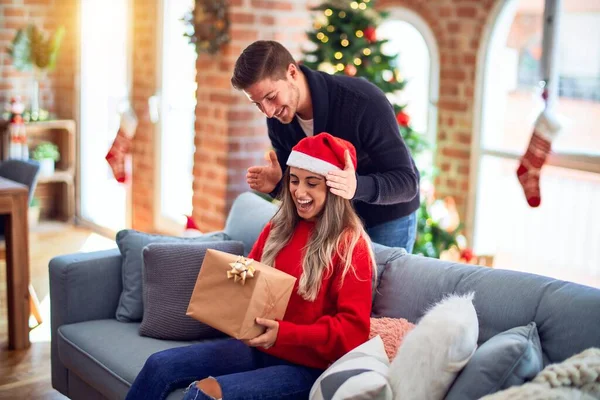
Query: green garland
(208, 25)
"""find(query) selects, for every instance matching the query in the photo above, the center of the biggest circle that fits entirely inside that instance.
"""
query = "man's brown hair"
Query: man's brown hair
(262, 59)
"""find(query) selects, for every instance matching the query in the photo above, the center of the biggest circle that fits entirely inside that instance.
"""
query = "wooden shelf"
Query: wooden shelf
(60, 124)
(58, 176)
(61, 133)
(56, 193)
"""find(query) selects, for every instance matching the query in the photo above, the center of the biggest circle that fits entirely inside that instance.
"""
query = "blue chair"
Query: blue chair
(23, 172)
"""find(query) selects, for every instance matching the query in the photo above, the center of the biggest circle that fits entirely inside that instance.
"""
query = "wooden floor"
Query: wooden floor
(26, 374)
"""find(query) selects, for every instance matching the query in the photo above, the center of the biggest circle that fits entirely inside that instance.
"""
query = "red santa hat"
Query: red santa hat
(321, 153)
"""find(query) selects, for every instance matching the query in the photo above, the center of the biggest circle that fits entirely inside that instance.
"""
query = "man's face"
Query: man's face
(276, 98)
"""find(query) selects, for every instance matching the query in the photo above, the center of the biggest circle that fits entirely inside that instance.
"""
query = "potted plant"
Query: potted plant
(34, 212)
(46, 154)
(31, 50)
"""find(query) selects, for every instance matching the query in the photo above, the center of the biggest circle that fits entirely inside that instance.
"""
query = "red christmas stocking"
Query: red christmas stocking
(122, 145)
(545, 130)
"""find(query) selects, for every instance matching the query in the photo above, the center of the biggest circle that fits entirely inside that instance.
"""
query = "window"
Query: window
(558, 238)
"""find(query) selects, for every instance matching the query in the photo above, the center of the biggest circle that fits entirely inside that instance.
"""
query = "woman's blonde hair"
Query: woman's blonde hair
(337, 231)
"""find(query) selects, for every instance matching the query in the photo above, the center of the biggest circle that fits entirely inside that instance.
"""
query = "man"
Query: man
(300, 102)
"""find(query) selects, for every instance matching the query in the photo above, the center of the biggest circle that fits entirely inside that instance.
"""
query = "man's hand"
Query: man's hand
(265, 178)
(267, 339)
(343, 183)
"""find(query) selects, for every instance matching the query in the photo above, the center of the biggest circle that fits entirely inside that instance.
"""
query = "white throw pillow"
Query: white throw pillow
(360, 374)
(435, 351)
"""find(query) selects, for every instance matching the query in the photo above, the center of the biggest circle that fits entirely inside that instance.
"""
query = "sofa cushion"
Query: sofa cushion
(170, 274)
(436, 350)
(504, 299)
(391, 331)
(510, 358)
(107, 354)
(130, 244)
(360, 374)
(247, 218)
(383, 256)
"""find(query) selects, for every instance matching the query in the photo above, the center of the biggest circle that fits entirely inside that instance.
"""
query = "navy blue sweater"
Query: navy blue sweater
(358, 111)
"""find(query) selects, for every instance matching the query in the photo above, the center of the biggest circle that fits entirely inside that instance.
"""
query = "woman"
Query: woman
(317, 237)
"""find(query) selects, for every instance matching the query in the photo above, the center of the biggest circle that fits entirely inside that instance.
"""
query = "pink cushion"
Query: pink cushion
(392, 332)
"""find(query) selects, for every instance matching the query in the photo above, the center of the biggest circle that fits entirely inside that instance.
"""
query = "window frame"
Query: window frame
(398, 13)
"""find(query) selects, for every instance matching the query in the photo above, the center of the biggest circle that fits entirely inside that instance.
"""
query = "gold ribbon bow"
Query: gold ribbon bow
(241, 269)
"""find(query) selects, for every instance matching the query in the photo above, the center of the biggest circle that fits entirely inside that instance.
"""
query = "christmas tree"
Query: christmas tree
(345, 41)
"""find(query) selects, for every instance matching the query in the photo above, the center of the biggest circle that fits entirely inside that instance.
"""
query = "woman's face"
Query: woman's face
(309, 192)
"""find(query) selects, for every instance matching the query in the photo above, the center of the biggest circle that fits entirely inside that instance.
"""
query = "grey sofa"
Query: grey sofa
(96, 357)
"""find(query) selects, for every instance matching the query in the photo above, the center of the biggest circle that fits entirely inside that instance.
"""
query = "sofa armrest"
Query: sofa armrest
(83, 287)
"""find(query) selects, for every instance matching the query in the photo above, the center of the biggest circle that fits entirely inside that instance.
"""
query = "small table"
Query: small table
(13, 203)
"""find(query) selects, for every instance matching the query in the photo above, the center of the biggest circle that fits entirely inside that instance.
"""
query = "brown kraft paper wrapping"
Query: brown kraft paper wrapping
(232, 306)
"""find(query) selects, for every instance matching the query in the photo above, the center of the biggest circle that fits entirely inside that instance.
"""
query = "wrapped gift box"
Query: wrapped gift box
(232, 291)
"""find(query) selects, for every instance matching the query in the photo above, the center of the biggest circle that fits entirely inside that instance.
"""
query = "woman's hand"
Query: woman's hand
(267, 339)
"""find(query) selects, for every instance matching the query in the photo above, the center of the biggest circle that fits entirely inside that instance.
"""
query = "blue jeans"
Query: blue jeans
(242, 372)
(400, 232)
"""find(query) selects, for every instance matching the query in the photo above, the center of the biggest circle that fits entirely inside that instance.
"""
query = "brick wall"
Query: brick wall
(64, 78)
(458, 26)
(59, 84)
(144, 85)
(230, 132)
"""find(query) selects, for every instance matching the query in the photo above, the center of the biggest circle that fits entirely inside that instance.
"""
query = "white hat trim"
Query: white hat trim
(310, 163)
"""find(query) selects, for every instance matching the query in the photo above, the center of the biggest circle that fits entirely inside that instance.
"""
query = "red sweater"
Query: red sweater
(317, 333)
